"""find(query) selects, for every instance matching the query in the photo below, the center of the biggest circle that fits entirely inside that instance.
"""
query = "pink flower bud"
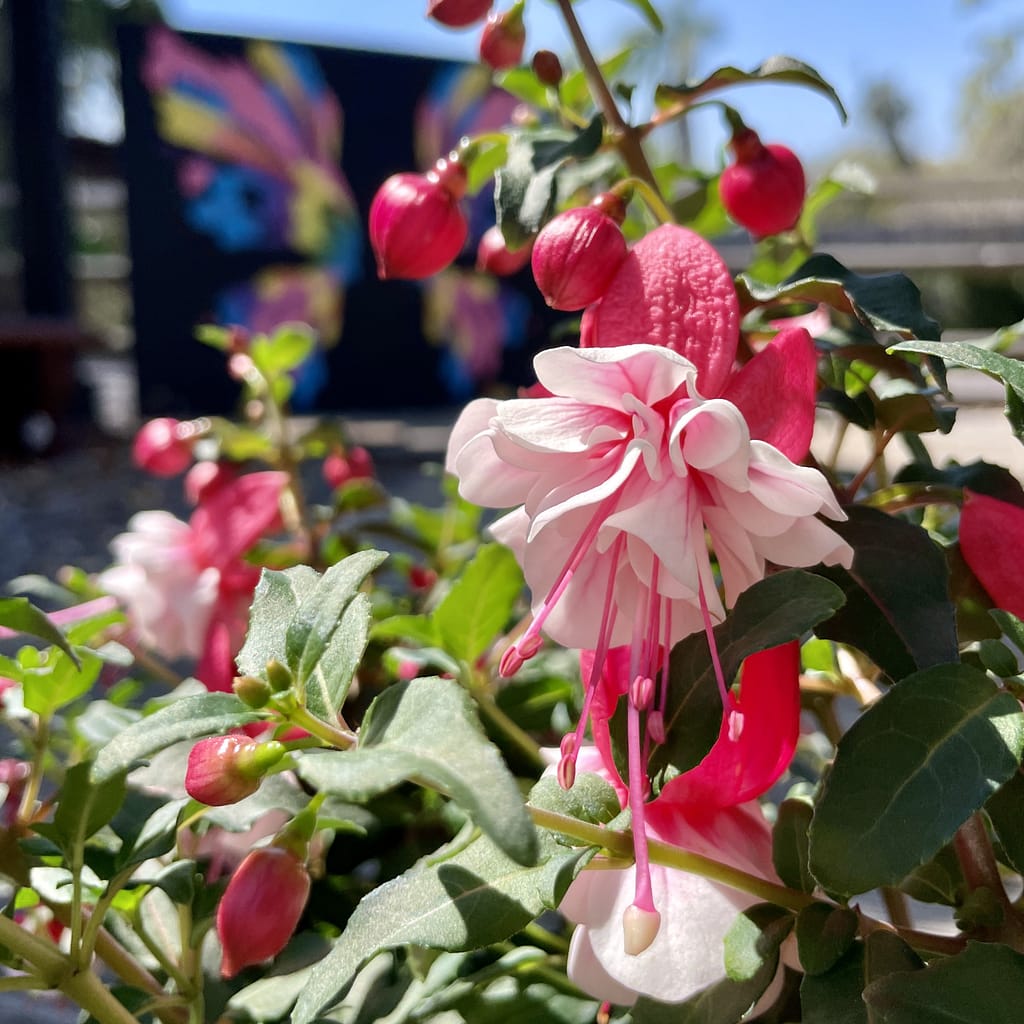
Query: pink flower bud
(576, 256)
(503, 39)
(161, 447)
(458, 13)
(494, 257)
(416, 226)
(261, 907)
(356, 464)
(547, 67)
(225, 769)
(763, 190)
(421, 578)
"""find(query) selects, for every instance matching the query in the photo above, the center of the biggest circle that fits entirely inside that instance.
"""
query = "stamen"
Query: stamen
(709, 632)
(641, 692)
(567, 763)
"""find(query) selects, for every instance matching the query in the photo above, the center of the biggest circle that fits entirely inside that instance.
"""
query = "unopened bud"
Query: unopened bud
(575, 257)
(547, 67)
(493, 256)
(225, 769)
(656, 726)
(261, 907)
(355, 464)
(503, 39)
(252, 691)
(458, 13)
(763, 189)
(279, 676)
(161, 448)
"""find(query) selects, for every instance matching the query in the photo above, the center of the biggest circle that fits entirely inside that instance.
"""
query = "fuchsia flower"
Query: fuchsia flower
(985, 525)
(185, 585)
(709, 810)
(637, 457)
(763, 189)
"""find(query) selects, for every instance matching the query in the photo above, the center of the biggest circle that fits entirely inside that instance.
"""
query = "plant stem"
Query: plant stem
(651, 196)
(627, 138)
(22, 983)
(330, 735)
(40, 741)
(621, 844)
(981, 871)
(520, 739)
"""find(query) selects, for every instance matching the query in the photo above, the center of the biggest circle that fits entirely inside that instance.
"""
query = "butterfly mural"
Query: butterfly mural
(260, 171)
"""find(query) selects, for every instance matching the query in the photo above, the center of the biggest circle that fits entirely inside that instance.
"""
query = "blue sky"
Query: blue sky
(927, 46)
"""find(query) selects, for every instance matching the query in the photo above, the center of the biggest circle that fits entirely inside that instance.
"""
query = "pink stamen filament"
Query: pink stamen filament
(709, 632)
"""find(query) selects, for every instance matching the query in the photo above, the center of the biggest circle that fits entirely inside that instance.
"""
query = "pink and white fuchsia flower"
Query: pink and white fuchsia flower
(636, 457)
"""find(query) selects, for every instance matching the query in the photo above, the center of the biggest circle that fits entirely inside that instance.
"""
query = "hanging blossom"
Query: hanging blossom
(710, 810)
(185, 585)
(634, 456)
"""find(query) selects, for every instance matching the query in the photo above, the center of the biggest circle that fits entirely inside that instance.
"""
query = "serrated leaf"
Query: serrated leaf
(207, 714)
(277, 596)
(789, 845)
(774, 69)
(428, 730)
(909, 772)
(479, 604)
(22, 616)
(824, 932)
(982, 985)
(898, 609)
(884, 302)
(461, 898)
(780, 608)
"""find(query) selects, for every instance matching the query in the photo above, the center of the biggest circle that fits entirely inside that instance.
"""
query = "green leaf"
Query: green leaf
(328, 631)
(824, 932)
(886, 953)
(206, 714)
(146, 825)
(789, 844)
(753, 940)
(277, 596)
(461, 898)
(60, 681)
(284, 350)
(909, 772)
(1004, 810)
(427, 730)
(85, 806)
(479, 604)
(884, 302)
(416, 628)
(982, 985)
(939, 880)
(589, 799)
(21, 615)
(834, 997)
(780, 608)
(526, 188)
(898, 609)
(646, 8)
(774, 69)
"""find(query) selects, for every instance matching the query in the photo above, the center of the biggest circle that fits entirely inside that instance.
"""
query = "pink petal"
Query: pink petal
(674, 290)
(776, 390)
(990, 532)
(737, 770)
(235, 516)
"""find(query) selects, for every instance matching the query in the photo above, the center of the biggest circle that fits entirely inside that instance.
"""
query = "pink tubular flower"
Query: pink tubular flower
(185, 585)
(261, 907)
(985, 525)
(709, 810)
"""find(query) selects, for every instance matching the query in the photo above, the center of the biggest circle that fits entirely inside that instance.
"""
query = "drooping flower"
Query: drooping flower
(985, 525)
(185, 585)
(709, 810)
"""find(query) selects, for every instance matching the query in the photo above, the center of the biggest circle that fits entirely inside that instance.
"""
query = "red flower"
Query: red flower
(458, 13)
(162, 447)
(763, 190)
(503, 39)
(990, 532)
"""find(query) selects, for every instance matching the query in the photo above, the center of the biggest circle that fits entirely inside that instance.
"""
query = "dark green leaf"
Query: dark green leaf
(983, 477)
(753, 940)
(1004, 809)
(461, 898)
(884, 302)
(824, 932)
(982, 985)
(479, 604)
(427, 730)
(328, 631)
(780, 608)
(147, 826)
(178, 880)
(277, 596)
(789, 845)
(909, 772)
(898, 610)
(526, 188)
(85, 806)
(206, 714)
(834, 997)
(21, 615)
(886, 953)
(774, 69)
(859, 409)
(940, 880)
(514, 1000)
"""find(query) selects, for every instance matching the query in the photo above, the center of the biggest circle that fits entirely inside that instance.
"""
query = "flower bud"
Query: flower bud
(503, 39)
(421, 578)
(225, 769)
(575, 257)
(261, 907)
(416, 226)
(279, 675)
(161, 449)
(494, 257)
(252, 691)
(355, 464)
(458, 13)
(547, 67)
(763, 190)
